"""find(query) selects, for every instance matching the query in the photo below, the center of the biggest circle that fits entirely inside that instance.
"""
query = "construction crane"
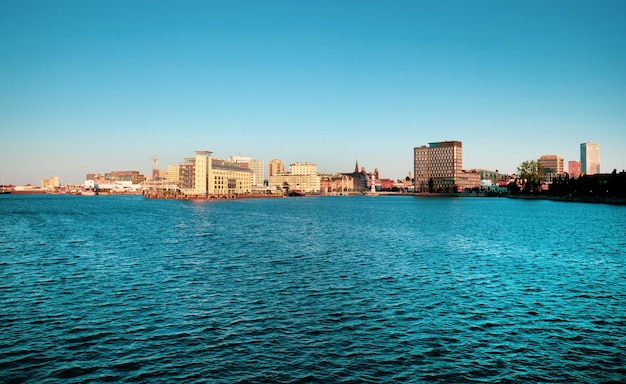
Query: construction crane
(155, 171)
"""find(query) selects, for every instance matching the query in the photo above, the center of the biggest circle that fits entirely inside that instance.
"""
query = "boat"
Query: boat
(296, 193)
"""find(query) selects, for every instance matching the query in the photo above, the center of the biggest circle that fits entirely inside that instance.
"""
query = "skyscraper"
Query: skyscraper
(440, 162)
(590, 158)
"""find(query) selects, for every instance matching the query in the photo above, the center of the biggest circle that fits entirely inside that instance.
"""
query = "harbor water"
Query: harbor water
(312, 289)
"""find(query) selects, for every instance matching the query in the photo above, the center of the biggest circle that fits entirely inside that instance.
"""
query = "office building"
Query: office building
(552, 165)
(573, 168)
(590, 158)
(438, 166)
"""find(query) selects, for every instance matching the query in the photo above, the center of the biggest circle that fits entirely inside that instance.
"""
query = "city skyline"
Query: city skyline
(98, 87)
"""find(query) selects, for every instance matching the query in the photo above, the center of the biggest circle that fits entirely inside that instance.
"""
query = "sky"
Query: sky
(96, 86)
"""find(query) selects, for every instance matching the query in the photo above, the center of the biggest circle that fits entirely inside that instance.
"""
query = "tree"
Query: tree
(533, 173)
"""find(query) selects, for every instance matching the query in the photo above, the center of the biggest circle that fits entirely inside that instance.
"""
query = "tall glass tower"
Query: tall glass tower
(590, 158)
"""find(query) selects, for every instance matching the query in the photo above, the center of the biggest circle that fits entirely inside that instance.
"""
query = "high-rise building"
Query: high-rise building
(258, 172)
(573, 168)
(590, 158)
(438, 165)
(275, 167)
(552, 164)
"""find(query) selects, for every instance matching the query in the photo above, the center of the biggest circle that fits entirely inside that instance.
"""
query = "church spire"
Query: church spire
(356, 168)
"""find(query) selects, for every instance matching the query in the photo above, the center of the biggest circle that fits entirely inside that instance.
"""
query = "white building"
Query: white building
(305, 168)
(212, 176)
(301, 177)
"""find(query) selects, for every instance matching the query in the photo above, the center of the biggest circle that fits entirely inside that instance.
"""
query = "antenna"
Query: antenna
(155, 172)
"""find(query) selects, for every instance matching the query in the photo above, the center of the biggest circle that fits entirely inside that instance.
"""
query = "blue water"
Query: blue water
(328, 289)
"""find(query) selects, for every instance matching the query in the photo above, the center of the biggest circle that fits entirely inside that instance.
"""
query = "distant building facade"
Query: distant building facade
(552, 165)
(171, 176)
(50, 183)
(133, 176)
(205, 175)
(590, 158)
(275, 167)
(336, 183)
(493, 176)
(573, 168)
(360, 178)
(468, 180)
(301, 177)
(438, 166)
(256, 166)
(258, 172)
(303, 168)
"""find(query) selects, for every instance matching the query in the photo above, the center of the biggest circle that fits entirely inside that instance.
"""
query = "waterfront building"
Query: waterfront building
(303, 168)
(159, 174)
(50, 183)
(573, 168)
(186, 172)
(256, 166)
(275, 167)
(438, 166)
(204, 175)
(468, 180)
(301, 177)
(360, 178)
(336, 183)
(171, 176)
(552, 165)
(258, 172)
(590, 158)
(494, 177)
(133, 176)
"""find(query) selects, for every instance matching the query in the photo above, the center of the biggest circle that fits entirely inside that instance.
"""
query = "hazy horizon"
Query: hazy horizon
(94, 87)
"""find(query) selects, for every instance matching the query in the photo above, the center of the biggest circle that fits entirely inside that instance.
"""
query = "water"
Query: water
(329, 289)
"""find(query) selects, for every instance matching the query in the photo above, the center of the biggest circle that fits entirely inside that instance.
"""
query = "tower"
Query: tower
(590, 158)
(155, 171)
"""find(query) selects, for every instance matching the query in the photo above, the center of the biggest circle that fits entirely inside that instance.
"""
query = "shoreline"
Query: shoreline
(575, 199)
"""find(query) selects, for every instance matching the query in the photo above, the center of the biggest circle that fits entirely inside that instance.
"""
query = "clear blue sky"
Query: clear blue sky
(95, 86)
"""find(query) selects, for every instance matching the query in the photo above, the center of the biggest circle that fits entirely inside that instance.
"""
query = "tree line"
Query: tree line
(531, 177)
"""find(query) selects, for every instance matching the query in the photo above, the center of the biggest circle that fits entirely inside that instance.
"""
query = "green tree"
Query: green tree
(533, 174)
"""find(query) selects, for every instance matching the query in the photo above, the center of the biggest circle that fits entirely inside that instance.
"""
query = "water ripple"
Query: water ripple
(350, 290)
